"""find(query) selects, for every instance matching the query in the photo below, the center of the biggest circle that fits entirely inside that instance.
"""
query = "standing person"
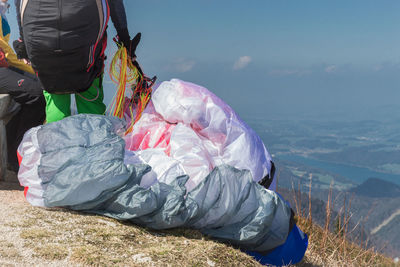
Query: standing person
(65, 41)
(18, 80)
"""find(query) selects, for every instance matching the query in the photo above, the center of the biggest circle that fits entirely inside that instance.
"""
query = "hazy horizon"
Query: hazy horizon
(271, 59)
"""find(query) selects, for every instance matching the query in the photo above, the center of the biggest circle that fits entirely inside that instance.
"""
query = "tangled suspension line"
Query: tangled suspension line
(126, 73)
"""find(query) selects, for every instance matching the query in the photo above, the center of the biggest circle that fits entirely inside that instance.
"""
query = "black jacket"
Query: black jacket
(65, 40)
(117, 13)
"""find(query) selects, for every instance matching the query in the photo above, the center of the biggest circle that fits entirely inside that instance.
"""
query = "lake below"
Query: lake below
(353, 173)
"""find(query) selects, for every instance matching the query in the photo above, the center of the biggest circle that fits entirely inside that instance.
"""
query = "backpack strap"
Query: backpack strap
(104, 15)
(22, 8)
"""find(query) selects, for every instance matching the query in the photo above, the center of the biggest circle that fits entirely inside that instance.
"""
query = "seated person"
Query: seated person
(18, 80)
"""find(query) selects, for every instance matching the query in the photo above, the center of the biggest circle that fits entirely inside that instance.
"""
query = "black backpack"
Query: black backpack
(65, 41)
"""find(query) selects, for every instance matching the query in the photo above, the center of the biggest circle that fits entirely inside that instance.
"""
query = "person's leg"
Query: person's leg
(26, 90)
(57, 106)
(30, 115)
(91, 101)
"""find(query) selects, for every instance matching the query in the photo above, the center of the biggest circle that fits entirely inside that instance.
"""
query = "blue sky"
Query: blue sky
(274, 58)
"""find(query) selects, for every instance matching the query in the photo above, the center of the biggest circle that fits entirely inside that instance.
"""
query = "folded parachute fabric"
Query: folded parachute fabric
(193, 126)
(192, 165)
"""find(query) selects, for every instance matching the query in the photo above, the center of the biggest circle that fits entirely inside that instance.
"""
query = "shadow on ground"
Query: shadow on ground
(10, 182)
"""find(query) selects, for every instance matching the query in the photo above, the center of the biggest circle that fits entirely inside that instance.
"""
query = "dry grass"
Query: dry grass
(334, 249)
(93, 240)
(8, 250)
(34, 236)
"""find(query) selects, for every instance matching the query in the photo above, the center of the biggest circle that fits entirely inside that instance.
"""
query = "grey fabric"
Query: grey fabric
(82, 164)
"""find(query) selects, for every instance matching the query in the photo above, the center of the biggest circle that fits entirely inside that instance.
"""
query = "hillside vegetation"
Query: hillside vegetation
(333, 249)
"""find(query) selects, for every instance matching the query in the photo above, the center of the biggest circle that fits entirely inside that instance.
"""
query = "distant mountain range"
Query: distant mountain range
(377, 188)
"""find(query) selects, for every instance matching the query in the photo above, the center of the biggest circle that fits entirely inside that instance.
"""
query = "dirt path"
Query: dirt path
(385, 222)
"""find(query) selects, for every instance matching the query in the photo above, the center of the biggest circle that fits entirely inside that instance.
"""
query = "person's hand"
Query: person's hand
(20, 49)
(26, 61)
(131, 45)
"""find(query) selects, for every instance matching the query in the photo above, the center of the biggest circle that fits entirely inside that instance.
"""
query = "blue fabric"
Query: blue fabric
(5, 26)
(291, 252)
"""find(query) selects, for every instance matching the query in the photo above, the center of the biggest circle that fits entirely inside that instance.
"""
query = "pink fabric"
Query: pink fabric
(151, 131)
(195, 128)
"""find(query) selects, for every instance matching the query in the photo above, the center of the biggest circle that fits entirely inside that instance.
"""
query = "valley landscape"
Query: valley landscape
(357, 161)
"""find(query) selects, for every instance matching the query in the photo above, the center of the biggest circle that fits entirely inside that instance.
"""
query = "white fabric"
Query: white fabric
(184, 130)
(200, 131)
(28, 174)
(164, 169)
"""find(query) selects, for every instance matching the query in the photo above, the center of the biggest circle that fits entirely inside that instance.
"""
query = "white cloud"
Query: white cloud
(289, 72)
(242, 62)
(182, 65)
(378, 67)
(330, 69)
(387, 66)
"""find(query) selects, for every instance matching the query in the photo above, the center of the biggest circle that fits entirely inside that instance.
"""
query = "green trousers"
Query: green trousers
(91, 101)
